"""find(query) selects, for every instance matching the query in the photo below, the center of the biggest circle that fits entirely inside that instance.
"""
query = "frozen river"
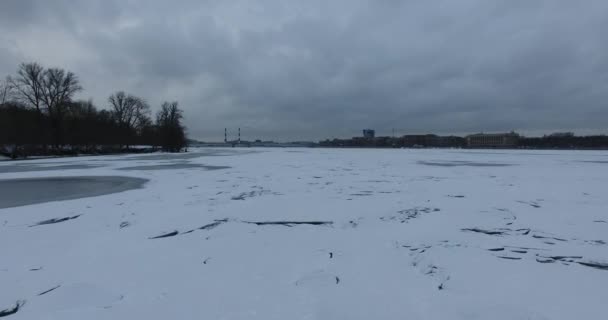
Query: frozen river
(306, 234)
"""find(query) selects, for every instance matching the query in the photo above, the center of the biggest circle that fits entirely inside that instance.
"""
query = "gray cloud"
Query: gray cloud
(315, 69)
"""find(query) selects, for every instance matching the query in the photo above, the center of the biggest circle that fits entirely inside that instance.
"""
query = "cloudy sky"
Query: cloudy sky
(311, 69)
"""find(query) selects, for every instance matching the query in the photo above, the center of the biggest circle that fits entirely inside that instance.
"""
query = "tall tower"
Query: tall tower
(239, 135)
(225, 135)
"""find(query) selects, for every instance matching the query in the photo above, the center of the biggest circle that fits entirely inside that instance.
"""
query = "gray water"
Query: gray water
(36, 167)
(173, 166)
(463, 164)
(21, 192)
(186, 155)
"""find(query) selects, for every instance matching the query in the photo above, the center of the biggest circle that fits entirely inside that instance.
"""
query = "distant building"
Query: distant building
(451, 142)
(493, 140)
(430, 141)
(562, 135)
(419, 140)
(369, 133)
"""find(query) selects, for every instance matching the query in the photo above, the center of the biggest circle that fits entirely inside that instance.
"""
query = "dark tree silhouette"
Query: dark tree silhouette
(170, 129)
(58, 88)
(6, 91)
(17, 128)
(28, 84)
(48, 91)
(131, 113)
(37, 110)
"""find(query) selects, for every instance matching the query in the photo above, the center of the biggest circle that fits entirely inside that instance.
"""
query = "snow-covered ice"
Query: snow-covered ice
(313, 234)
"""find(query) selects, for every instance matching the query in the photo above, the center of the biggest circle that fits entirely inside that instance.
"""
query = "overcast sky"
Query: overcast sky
(313, 69)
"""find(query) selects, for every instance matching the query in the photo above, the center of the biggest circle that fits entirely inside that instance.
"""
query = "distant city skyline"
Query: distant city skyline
(245, 136)
(311, 70)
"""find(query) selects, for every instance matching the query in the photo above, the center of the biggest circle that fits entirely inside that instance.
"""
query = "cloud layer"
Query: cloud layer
(313, 69)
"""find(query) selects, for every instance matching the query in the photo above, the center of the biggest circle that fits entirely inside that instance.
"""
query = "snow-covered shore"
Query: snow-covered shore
(315, 234)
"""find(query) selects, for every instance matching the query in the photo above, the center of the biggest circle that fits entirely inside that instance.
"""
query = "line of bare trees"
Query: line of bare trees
(39, 116)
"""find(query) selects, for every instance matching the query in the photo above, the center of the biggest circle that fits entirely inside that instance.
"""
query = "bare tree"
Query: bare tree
(171, 131)
(6, 91)
(44, 88)
(169, 114)
(28, 89)
(28, 84)
(58, 88)
(128, 109)
(131, 112)
(47, 90)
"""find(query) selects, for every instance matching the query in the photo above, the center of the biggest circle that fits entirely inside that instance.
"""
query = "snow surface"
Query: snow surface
(397, 234)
